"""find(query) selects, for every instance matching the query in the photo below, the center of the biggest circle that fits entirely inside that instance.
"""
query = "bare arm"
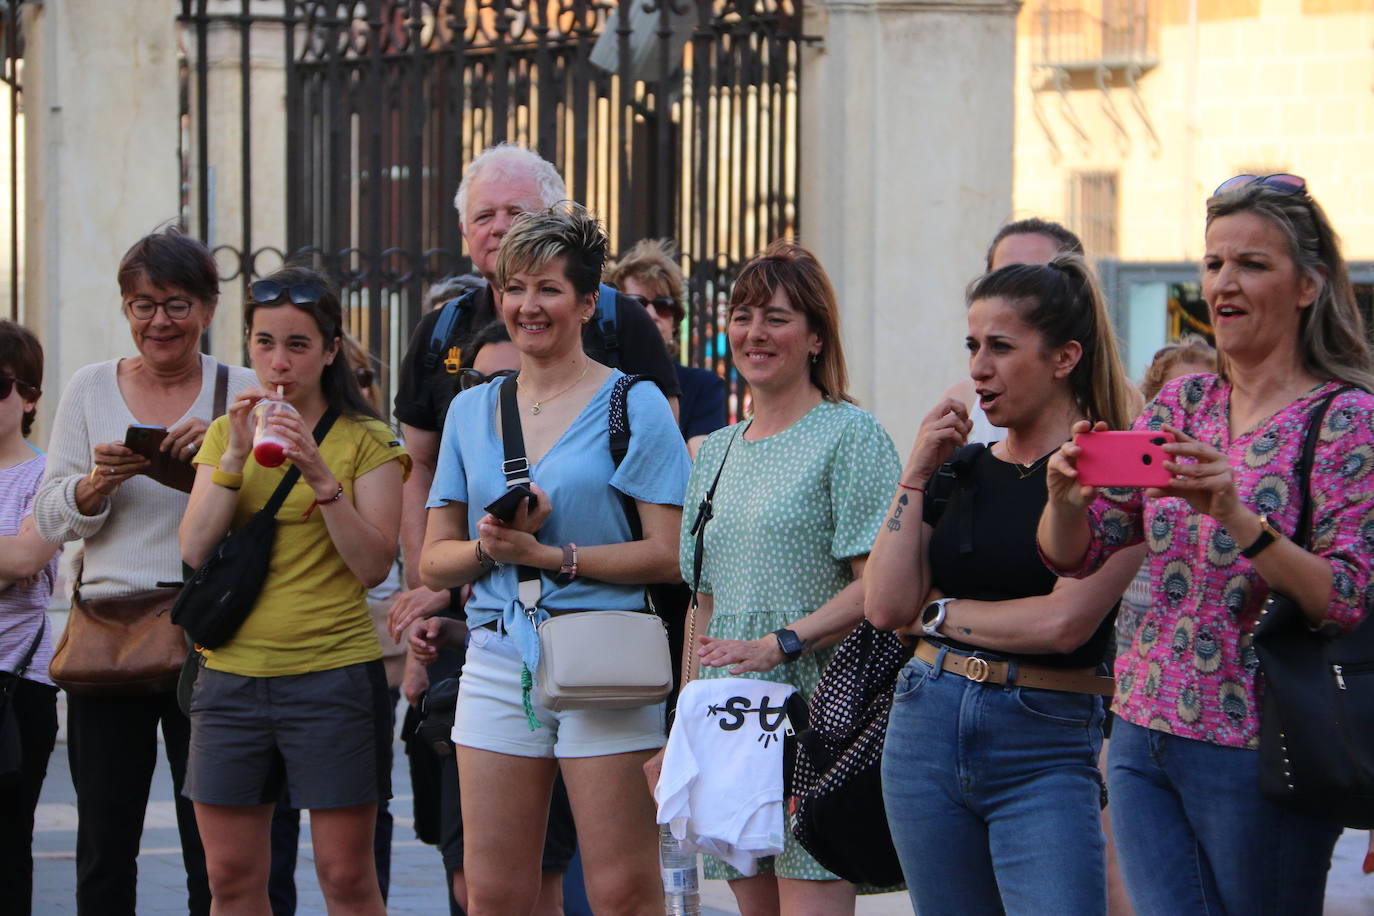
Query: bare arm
(23, 555)
(1063, 533)
(364, 529)
(1059, 622)
(423, 446)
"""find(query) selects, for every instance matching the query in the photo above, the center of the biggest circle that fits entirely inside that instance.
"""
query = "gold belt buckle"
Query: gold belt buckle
(976, 669)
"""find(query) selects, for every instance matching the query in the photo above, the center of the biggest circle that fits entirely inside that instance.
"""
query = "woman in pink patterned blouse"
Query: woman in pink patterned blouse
(1194, 834)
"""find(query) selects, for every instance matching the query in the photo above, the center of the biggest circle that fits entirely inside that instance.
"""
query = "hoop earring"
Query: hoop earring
(815, 358)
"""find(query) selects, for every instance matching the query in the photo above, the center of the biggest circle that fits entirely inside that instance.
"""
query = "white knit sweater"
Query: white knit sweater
(131, 545)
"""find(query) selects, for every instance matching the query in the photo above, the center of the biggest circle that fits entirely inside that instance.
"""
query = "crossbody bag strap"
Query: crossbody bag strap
(293, 474)
(706, 512)
(221, 390)
(516, 468)
(33, 647)
(1306, 459)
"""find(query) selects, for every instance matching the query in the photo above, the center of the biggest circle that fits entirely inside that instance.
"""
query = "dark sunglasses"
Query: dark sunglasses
(1283, 183)
(660, 303)
(364, 376)
(471, 378)
(8, 383)
(267, 292)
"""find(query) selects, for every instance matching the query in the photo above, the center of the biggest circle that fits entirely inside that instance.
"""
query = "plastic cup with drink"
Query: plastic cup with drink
(269, 448)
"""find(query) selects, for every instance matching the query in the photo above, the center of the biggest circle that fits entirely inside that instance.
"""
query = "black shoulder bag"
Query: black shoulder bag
(218, 597)
(837, 807)
(1317, 716)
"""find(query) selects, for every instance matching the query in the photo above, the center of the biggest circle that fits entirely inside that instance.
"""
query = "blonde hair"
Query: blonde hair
(566, 231)
(1331, 333)
(1191, 349)
(653, 262)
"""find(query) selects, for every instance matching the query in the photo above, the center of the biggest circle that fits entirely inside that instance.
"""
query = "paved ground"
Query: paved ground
(417, 880)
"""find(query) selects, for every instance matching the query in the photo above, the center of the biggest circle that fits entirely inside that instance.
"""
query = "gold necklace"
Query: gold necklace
(538, 405)
(1025, 470)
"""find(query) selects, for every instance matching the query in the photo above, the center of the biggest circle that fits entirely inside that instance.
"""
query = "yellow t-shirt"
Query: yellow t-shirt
(312, 614)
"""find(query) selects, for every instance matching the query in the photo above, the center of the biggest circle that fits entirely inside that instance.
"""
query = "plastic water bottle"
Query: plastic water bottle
(679, 869)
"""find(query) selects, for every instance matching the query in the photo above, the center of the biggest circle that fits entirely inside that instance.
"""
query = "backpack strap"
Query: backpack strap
(607, 307)
(619, 423)
(956, 475)
(440, 335)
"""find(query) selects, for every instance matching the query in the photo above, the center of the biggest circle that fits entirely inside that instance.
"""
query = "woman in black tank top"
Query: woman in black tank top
(990, 766)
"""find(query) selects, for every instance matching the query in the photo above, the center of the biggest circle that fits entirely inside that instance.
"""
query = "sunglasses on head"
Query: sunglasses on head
(267, 292)
(471, 378)
(8, 383)
(660, 303)
(1281, 182)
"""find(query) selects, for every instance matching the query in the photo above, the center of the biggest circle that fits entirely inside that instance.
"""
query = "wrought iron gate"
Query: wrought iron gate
(679, 119)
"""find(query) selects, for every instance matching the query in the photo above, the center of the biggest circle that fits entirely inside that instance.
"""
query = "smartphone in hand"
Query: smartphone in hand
(1127, 458)
(508, 503)
(145, 440)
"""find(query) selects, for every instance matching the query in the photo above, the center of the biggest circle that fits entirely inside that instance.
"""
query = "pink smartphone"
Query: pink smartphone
(1130, 458)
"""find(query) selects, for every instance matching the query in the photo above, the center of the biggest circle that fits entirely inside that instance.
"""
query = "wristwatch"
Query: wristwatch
(1268, 535)
(568, 571)
(790, 644)
(933, 616)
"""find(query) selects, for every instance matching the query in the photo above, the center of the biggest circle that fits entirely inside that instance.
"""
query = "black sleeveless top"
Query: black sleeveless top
(983, 547)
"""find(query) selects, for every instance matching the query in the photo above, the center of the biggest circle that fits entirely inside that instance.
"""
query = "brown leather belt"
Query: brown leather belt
(987, 671)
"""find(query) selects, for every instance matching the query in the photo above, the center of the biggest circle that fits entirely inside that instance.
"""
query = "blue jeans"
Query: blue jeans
(1194, 835)
(994, 797)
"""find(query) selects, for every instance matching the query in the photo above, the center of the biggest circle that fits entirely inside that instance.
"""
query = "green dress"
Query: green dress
(790, 513)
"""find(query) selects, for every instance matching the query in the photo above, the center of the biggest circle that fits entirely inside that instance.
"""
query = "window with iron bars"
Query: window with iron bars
(1093, 211)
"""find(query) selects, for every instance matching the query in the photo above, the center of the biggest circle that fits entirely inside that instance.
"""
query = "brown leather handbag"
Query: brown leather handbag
(120, 645)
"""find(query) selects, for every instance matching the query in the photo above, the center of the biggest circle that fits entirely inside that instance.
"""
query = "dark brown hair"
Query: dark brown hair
(1062, 301)
(339, 384)
(171, 259)
(794, 270)
(21, 355)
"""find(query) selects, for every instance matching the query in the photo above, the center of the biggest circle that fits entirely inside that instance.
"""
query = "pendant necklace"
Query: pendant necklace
(538, 405)
(1025, 470)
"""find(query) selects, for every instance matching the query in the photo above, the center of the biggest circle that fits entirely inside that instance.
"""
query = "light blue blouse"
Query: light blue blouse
(582, 483)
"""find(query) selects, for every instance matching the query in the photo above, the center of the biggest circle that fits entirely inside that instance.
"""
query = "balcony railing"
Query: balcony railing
(1093, 34)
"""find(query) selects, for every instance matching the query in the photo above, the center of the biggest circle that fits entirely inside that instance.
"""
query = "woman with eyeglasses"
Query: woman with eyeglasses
(1194, 834)
(578, 535)
(299, 693)
(97, 491)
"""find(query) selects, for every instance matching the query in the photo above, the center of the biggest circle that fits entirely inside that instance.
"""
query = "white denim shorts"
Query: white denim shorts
(490, 714)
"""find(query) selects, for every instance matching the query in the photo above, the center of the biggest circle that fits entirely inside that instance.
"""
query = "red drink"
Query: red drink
(269, 453)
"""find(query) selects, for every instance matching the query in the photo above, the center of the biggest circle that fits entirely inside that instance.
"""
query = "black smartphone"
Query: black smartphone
(506, 506)
(145, 440)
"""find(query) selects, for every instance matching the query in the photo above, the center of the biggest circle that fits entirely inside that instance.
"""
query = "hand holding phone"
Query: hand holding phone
(165, 468)
(506, 505)
(1127, 458)
(145, 440)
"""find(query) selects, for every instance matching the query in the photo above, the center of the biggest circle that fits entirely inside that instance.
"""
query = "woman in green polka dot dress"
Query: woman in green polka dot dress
(798, 506)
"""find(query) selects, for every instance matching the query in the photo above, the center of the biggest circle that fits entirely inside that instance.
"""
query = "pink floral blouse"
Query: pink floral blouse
(1191, 670)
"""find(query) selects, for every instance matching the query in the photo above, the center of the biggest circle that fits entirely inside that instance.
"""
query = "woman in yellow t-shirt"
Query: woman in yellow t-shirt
(299, 691)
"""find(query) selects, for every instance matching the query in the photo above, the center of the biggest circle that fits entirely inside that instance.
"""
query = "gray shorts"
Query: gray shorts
(325, 733)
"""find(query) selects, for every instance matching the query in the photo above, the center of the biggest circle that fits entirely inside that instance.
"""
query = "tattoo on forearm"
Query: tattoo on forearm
(894, 523)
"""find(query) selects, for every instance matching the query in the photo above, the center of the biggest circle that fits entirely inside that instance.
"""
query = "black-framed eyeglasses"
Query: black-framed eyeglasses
(8, 383)
(144, 308)
(267, 292)
(1281, 182)
(471, 378)
(660, 303)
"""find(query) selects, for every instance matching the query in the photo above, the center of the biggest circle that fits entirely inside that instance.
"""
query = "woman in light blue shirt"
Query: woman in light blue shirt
(579, 536)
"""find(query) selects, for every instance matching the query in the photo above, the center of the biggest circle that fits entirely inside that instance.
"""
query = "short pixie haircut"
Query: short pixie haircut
(21, 355)
(171, 259)
(566, 231)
